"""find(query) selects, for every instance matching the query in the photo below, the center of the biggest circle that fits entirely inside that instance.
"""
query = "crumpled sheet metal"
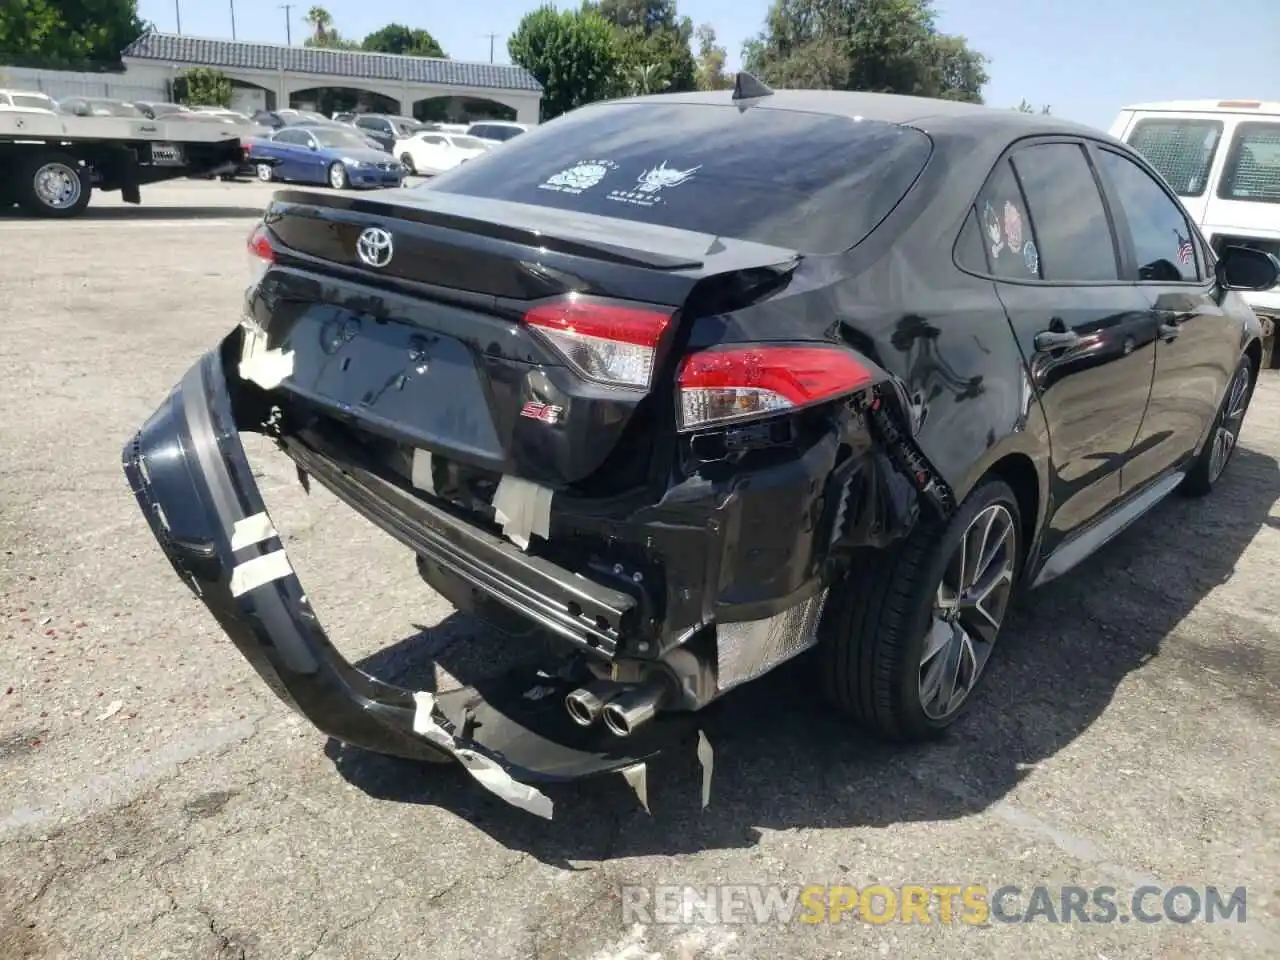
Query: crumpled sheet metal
(750, 649)
(487, 773)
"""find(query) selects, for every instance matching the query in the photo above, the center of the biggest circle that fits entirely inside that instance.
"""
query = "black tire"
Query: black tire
(872, 636)
(1206, 470)
(407, 162)
(35, 185)
(339, 179)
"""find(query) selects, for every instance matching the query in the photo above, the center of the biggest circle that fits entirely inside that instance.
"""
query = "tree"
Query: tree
(395, 38)
(711, 60)
(651, 32)
(888, 46)
(323, 33)
(573, 54)
(1025, 107)
(60, 33)
(203, 87)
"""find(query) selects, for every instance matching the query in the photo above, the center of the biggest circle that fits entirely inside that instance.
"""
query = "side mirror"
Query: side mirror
(1243, 268)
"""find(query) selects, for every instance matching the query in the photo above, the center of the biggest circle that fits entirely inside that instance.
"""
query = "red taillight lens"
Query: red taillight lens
(738, 383)
(603, 340)
(261, 253)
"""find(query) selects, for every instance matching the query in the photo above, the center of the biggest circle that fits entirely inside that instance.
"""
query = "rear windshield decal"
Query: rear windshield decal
(582, 176)
(650, 184)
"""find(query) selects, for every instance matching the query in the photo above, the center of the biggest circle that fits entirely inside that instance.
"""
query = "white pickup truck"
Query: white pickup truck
(51, 162)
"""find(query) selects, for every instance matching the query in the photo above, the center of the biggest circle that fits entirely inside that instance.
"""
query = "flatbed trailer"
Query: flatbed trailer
(51, 163)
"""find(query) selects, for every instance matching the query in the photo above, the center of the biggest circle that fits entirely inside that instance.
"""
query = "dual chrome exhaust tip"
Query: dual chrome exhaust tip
(624, 709)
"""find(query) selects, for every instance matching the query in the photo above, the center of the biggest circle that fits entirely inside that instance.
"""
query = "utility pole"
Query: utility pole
(233, 19)
(288, 21)
(177, 12)
(492, 37)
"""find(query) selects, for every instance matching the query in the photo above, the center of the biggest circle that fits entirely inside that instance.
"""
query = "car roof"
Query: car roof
(926, 113)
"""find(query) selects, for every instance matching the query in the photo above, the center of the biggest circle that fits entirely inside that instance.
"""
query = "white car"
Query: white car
(27, 101)
(429, 152)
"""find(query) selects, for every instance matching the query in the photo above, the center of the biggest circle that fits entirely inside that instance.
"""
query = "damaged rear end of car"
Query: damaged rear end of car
(618, 432)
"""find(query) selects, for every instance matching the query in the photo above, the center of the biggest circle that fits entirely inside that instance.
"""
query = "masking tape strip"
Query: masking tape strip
(637, 777)
(421, 476)
(267, 369)
(259, 571)
(522, 508)
(252, 530)
(485, 771)
(706, 757)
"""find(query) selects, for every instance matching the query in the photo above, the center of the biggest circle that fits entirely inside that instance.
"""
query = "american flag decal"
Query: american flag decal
(1186, 255)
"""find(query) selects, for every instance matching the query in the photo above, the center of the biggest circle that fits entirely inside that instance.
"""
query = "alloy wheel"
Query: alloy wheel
(1227, 432)
(58, 186)
(265, 173)
(337, 176)
(969, 607)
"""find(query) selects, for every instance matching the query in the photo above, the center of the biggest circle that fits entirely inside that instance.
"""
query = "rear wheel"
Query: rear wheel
(407, 161)
(1209, 466)
(53, 185)
(266, 172)
(908, 642)
(338, 178)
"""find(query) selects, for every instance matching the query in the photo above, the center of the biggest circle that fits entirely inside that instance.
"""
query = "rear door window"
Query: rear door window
(1253, 166)
(1009, 243)
(1072, 232)
(806, 181)
(1163, 242)
(1180, 150)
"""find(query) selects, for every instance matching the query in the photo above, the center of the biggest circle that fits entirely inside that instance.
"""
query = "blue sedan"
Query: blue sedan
(333, 155)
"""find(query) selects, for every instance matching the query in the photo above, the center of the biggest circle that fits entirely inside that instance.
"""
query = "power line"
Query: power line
(492, 37)
(288, 22)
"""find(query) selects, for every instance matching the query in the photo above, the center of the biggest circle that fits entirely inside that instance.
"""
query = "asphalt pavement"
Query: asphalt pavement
(156, 801)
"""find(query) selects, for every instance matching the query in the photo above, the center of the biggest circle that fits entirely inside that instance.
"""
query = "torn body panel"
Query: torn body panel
(673, 601)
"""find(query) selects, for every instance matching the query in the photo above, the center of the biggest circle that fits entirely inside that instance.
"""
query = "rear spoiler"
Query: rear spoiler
(562, 231)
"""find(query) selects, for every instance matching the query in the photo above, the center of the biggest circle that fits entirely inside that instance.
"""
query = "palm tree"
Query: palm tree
(647, 79)
(320, 20)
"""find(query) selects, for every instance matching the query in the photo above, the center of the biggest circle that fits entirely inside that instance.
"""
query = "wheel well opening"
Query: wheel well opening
(1019, 473)
(1254, 352)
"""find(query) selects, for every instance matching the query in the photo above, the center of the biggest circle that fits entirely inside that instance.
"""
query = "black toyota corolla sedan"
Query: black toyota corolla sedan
(690, 384)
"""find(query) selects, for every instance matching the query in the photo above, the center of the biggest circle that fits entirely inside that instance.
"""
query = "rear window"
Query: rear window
(1253, 166)
(39, 103)
(1181, 151)
(810, 182)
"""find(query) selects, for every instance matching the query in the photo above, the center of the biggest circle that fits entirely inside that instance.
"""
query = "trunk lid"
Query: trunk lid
(499, 337)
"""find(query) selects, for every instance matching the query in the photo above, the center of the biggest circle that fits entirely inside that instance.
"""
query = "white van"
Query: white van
(1222, 157)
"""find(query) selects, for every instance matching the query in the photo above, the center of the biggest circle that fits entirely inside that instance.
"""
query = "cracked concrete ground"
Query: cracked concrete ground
(157, 802)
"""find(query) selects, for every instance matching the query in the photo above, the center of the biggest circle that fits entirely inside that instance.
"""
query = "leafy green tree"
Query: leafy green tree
(396, 38)
(203, 87)
(652, 32)
(574, 55)
(888, 46)
(711, 59)
(1025, 107)
(59, 33)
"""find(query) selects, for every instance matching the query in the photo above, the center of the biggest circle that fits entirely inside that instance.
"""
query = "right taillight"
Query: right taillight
(740, 383)
(261, 253)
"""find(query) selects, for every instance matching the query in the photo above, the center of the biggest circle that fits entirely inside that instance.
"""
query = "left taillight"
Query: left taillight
(742, 383)
(606, 341)
(261, 254)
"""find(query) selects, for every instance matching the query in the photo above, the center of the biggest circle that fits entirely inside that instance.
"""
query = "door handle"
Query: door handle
(1049, 340)
(1169, 331)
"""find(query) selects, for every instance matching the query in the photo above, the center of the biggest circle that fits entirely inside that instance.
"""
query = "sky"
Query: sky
(1084, 58)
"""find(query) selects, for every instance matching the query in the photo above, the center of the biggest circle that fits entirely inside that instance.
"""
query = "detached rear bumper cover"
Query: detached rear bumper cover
(188, 470)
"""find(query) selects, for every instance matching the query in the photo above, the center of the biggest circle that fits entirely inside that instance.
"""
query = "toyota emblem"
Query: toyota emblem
(375, 247)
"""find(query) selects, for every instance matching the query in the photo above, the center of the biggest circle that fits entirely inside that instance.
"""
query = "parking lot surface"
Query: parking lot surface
(156, 801)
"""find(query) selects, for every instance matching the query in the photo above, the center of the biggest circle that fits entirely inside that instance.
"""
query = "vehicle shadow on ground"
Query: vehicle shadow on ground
(783, 761)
